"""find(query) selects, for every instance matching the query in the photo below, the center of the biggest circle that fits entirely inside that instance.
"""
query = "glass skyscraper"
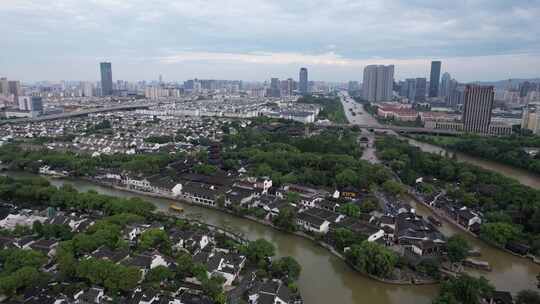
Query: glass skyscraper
(303, 81)
(434, 78)
(106, 79)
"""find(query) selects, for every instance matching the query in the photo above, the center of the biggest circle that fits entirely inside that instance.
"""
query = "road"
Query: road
(361, 118)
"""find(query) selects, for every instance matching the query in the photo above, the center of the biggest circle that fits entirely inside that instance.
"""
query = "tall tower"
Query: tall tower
(378, 83)
(411, 89)
(14, 87)
(303, 81)
(444, 90)
(106, 79)
(477, 106)
(420, 94)
(274, 88)
(4, 86)
(434, 78)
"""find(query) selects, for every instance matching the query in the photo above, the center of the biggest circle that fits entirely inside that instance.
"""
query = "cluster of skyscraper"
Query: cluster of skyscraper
(443, 90)
(13, 97)
(289, 87)
(277, 88)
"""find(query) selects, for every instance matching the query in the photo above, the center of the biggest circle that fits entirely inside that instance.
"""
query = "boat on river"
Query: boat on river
(477, 264)
(175, 208)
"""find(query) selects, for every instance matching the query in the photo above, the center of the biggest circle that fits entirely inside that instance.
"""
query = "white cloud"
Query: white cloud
(344, 33)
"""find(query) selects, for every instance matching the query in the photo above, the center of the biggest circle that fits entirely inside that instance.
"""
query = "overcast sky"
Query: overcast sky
(259, 39)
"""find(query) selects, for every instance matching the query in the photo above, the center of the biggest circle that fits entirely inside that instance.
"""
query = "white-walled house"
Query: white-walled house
(312, 223)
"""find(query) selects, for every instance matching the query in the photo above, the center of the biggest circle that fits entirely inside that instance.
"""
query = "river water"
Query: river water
(523, 176)
(326, 279)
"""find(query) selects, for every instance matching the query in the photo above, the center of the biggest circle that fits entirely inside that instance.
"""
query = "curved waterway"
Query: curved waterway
(324, 279)
(526, 178)
(510, 273)
(327, 279)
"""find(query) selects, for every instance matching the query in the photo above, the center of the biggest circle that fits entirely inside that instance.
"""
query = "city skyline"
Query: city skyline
(336, 39)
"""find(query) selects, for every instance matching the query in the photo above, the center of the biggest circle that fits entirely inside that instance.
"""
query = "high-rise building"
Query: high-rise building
(87, 89)
(531, 119)
(290, 87)
(525, 88)
(15, 89)
(420, 93)
(106, 79)
(353, 87)
(189, 84)
(378, 83)
(4, 86)
(31, 103)
(477, 106)
(303, 81)
(274, 87)
(444, 90)
(36, 104)
(24, 103)
(434, 78)
(455, 95)
(410, 85)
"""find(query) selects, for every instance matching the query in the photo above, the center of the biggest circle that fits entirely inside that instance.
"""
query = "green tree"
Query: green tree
(293, 197)
(14, 259)
(350, 209)
(213, 287)
(528, 297)
(113, 277)
(67, 263)
(499, 233)
(23, 277)
(155, 238)
(259, 251)
(184, 266)
(344, 237)
(347, 178)
(37, 228)
(445, 299)
(458, 248)
(372, 258)
(159, 275)
(448, 172)
(464, 289)
(286, 267)
(286, 219)
(393, 187)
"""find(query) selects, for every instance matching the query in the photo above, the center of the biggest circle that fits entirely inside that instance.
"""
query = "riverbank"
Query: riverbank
(266, 223)
(520, 175)
(451, 221)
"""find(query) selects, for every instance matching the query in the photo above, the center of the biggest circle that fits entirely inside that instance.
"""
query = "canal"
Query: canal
(526, 178)
(325, 278)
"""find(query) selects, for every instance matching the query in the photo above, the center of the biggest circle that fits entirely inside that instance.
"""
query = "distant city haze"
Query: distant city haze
(261, 39)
